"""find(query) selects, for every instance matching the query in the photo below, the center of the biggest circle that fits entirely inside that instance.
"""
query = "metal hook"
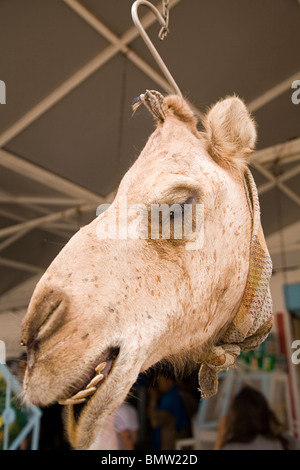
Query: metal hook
(149, 44)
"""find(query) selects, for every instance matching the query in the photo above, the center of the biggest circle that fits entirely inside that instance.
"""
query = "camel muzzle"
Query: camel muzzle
(45, 316)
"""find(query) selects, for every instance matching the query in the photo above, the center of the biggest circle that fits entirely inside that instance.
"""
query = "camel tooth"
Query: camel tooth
(95, 380)
(100, 367)
(70, 401)
(83, 393)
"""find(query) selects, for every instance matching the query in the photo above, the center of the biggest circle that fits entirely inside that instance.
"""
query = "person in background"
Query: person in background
(167, 414)
(121, 430)
(127, 426)
(251, 425)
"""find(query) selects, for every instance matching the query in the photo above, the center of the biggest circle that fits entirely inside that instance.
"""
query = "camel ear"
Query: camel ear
(230, 133)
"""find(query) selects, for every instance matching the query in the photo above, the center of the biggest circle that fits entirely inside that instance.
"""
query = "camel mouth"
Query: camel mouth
(93, 380)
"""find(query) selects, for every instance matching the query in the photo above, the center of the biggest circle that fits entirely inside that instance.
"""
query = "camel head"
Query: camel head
(113, 304)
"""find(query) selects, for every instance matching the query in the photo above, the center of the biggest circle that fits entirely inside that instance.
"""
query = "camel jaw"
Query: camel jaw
(95, 379)
(88, 412)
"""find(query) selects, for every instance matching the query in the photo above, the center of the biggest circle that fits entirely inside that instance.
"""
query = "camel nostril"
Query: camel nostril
(32, 348)
(45, 314)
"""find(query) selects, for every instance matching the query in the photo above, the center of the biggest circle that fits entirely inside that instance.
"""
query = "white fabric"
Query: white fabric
(259, 443)
(126, 417)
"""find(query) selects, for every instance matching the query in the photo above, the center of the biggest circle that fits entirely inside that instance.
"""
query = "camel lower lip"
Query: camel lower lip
(81, 398)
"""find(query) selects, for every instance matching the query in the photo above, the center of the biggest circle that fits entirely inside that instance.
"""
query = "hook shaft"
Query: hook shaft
(149, 44)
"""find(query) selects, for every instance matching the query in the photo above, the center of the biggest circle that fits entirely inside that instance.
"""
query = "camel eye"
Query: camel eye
(169, 220)
(179, 210)
(184, 208)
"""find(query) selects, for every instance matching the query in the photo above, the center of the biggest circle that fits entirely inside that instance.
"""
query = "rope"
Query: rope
(166, 15)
